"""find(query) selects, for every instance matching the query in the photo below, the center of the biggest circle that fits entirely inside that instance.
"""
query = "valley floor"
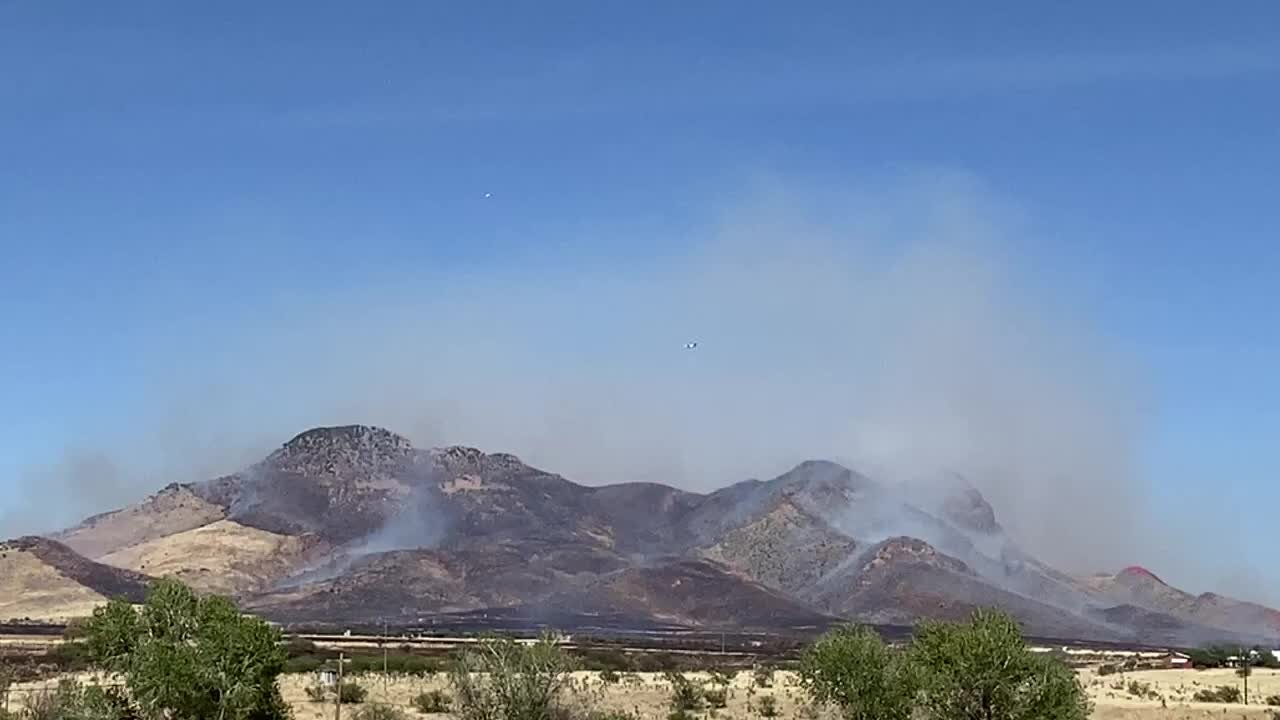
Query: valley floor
(1166, 695)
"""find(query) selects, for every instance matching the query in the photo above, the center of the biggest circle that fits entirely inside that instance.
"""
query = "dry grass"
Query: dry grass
(33, 589)
(1169, 694)
(223, 557)
(647, 695)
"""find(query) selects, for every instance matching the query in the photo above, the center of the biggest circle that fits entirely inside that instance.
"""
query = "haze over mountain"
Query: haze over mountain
(892, 327)
(1034, 248)
(353, 523)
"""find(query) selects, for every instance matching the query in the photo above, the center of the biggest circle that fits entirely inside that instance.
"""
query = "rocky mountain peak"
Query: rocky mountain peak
(460, 459)
(458, 454)
(903, 549)
(967, 508)
(1139, 574)
(824, 480)
(331, 450)
(348, 437)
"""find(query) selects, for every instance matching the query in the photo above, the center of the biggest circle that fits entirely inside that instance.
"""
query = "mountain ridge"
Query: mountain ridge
(349, 522)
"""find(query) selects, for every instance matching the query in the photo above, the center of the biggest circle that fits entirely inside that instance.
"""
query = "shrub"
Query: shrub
(1139, 689)
(762, 676)
(1107, 669)
(656, 662)
(685, 693)
(351, 693)
(432, 702)
(1220, 694)
(1273, 701)
(297, 647)
(721, 678)
(76, 629)
(1265, 659)
(303, 664)
(70, 657)
(604, 659)
(72, 701)
(767, 706)
(609, 676)
(504, 680)
(378, 711)
(401, 663)
(716, 699)
(316, 693)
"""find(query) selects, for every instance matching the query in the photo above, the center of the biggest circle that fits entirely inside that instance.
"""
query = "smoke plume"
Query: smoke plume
(903, 330)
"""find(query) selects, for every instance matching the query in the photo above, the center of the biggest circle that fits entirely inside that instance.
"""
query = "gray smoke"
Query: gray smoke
(81, 482)
(421, 524)
(894, 328)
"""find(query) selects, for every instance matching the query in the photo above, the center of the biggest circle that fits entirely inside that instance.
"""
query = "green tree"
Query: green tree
(982, 670)
(852, 669)
(504, 680)
(186, 657)
(1265, 658)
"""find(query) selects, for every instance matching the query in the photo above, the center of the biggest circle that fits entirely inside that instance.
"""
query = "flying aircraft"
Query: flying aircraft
(691, 346)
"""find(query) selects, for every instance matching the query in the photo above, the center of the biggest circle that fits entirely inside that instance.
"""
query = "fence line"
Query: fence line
(54, 687)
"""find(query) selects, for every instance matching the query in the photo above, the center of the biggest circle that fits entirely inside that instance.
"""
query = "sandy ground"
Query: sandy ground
(646, 695)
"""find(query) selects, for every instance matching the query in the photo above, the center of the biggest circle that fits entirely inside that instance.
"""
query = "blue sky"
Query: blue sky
(181, 188)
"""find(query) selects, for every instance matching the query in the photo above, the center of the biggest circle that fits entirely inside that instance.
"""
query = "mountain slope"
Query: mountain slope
(222, 557)
(41, 579)
(688, 592)
(172, 510)
(904, 580)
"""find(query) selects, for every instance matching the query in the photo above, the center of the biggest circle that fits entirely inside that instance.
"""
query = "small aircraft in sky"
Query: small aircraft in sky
(691, 346)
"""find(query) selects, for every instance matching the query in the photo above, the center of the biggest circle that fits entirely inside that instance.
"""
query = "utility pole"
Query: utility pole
(1244, 658)
(337, 696)
(5, 680)
(386, 689)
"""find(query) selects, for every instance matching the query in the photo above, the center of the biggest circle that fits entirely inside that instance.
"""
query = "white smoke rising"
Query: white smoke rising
(896, 329)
